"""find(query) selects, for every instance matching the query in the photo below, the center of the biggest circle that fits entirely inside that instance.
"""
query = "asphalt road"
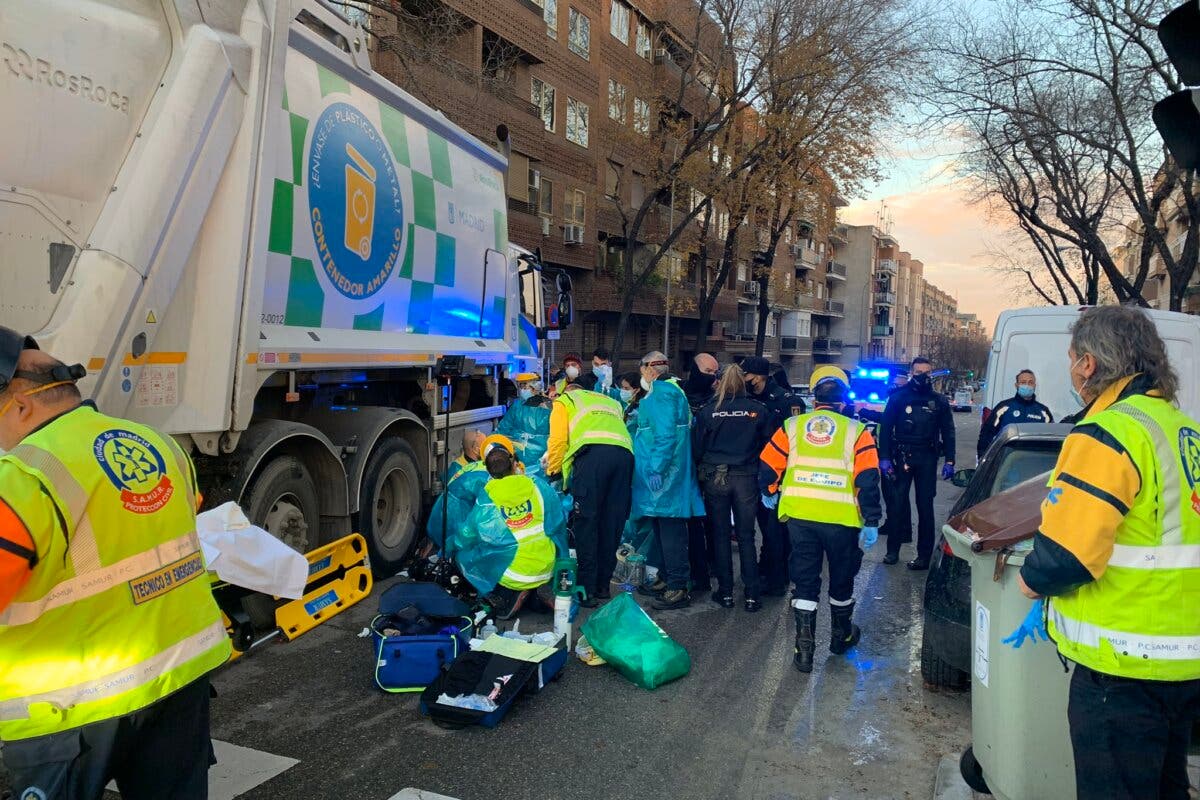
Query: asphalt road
(742, 724)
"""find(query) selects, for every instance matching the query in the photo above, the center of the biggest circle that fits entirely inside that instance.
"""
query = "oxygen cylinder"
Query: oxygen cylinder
(565, 592)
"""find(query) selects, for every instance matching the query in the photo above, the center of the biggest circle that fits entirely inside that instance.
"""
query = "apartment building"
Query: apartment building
(970, 326)
(940, 312)
(1157, 288)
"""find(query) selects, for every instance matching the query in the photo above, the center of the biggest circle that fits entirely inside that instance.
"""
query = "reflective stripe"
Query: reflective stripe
(1164, 648)
(825, 463)
(615, 437)
(841, 603)
(82, 548)
(517, 576)
(526, 533)
(95, 582)
(1171, 556)
(804, 605)
(1173, 482)
(820, 494)
(119, 682)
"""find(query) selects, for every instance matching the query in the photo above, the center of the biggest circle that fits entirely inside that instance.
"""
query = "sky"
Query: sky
(933, 220)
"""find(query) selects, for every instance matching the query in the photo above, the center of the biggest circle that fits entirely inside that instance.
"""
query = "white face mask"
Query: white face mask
(647, 386)
(626, 395)
(1075, 393)
(572, 372)
(603, 372)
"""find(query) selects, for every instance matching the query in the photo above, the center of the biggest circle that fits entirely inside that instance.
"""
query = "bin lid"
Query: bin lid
(1006, 518)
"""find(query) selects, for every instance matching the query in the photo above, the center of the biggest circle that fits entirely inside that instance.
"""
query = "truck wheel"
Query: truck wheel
(389, 509)
(937, 673)
(972, 773)
(283, 500)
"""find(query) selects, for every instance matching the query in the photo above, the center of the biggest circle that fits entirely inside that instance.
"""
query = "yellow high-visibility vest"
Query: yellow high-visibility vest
(118, 612)
(818, 484)
(593, 419)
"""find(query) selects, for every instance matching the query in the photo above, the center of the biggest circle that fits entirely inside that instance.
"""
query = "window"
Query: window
(542, 95)
(576, 206)
(787, 235)
(355, 13)
(535, 188)
(641, 116)
(616, 101)
(577, 122)
(612, 180)
(772, 325)
(550, 15)
(741, 271)
(643, 40)
(579, 33)
(546, 197)
(747, 320)
(618, 21)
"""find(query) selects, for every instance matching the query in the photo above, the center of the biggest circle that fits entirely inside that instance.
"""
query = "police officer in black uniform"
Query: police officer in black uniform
(1022, 407)
(725, 436)
(773, 560)
(917, 429)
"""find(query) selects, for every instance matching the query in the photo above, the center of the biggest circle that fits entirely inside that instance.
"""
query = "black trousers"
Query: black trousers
(815, 542)
(773, 558)
(923, 475)
(602, 485)
(700, 550)
(1131, 737)
(162, 751)
(737, 498)
(672, 533)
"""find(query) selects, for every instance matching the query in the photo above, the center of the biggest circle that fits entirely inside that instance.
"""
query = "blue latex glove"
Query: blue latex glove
(947, 471)
(886, 467)
(1031, 627)
(655, 483)
(868, 536)
(770, 501)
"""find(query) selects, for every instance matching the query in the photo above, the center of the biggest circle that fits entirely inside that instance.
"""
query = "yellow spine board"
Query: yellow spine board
(339, 576)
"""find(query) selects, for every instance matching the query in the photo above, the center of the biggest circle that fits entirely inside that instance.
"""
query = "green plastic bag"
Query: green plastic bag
(625, 636)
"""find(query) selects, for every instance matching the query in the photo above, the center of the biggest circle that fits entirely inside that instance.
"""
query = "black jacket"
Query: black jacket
(699, 390)
(733, 434)
(1014, 410)
(920, 424)
(779, 403)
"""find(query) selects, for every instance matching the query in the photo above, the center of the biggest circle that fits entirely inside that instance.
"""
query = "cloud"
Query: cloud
(938, 225)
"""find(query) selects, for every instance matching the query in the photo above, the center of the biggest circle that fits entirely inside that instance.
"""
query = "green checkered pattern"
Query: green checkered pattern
(424, 281)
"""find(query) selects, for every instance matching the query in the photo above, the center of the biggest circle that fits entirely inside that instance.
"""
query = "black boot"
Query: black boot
(843, 634)
(806, 643)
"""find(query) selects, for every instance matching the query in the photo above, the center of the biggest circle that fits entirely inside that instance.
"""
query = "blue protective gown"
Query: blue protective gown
(529, 428)
(462, 489)
(662, 445)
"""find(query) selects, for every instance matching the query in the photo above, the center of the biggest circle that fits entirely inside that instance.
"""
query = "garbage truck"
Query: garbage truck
(260, 246)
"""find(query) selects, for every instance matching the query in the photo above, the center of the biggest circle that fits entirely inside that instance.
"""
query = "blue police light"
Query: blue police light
(862, 373)
(853, 396)
(873, 396)
(879, 373)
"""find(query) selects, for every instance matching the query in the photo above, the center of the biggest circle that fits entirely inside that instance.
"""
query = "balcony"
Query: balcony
(829, 308)
(881, 331)
(836, 271)
(826, 346)
(794, 345)
(810, 256)
(885, 299)
(887, 266)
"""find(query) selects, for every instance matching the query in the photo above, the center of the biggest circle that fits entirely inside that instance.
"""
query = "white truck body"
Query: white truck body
(1038, 338)
(257, 244)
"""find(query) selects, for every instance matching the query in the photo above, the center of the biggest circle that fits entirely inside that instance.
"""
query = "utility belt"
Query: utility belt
(909, 454)
(718, 474)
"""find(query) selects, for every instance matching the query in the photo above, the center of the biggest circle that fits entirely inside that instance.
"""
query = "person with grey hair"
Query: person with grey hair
(664, 480)
(1115, 567)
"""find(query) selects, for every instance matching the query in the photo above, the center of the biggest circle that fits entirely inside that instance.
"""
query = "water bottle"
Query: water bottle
(489, 629)
(637, 569)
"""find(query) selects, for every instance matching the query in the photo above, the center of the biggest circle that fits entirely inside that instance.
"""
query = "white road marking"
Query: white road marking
(240, 769)
(418, 794)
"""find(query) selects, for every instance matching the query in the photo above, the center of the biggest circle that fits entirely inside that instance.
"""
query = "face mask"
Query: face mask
(1075, 393)
(525, 394)
(699, 381)
(626, 395)
(647, 386)
(572, 372)
(1025, 391)
(921, 381)
(603, 372)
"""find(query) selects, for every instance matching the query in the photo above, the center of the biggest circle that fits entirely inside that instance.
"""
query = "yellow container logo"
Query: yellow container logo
(360, 203)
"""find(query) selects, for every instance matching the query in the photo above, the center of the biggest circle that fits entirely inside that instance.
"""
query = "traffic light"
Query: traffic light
(970, 373)
(1178, 116)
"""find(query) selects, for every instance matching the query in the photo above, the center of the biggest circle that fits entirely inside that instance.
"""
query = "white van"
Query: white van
(1037, 339)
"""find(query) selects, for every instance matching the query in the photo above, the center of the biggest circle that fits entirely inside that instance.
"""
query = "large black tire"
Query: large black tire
(972, 773)
(936, 673)
(282, 498)
(389, 510)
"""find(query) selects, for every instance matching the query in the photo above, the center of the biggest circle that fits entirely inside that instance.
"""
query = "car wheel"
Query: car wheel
(936, 673)
(972, 773)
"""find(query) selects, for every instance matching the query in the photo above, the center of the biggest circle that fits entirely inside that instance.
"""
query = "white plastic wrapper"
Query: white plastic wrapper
(248, 556)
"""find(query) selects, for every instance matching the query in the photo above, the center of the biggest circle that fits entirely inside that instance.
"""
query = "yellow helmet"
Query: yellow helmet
(496, 440)
(827, 372)
(527, 377)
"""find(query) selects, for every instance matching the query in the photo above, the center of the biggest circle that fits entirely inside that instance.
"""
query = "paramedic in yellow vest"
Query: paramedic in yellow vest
(1118, 558)
(593, 451)
(108, 628)
(821, 470)
(531, 511)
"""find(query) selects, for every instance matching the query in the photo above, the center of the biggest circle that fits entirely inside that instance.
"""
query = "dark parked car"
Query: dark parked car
(1019, 452)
